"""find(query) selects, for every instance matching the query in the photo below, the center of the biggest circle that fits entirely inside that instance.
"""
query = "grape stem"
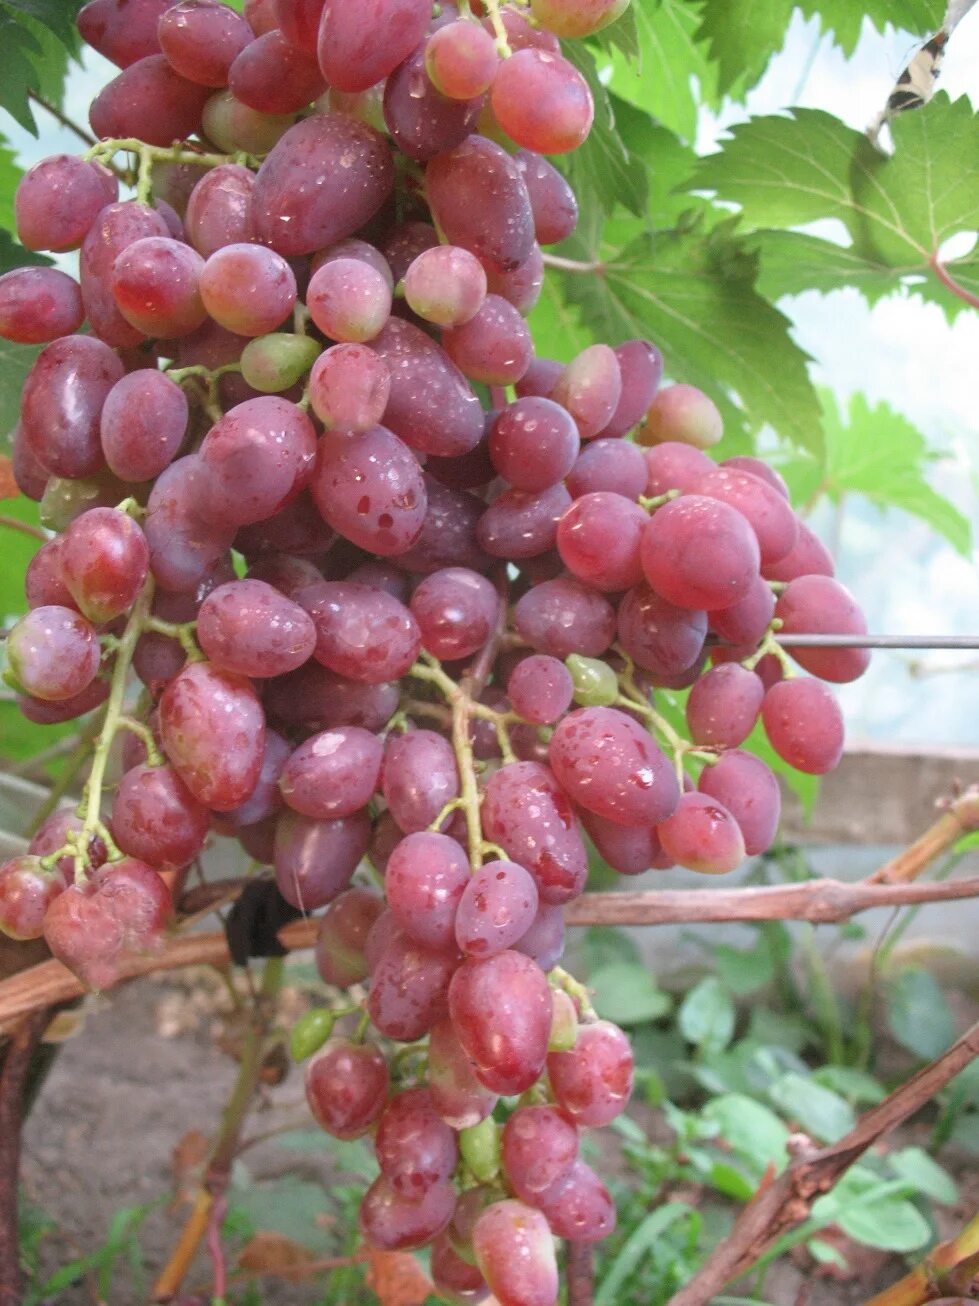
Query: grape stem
(502, 43)
(148, 155)
(26, 528)
(633, 698)
(770, 644)
(559, 978)
(949, 282)
(181, 631)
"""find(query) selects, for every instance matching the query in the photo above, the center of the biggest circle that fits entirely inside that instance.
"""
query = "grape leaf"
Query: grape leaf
(742, 36)
(670, 58)
(879, 454)
(15, 362)
(898, 210)
(58, 16)
(844, 19)
(32, 58)
(693, 293)
(621, 35)
(603, 172)
(791, 262)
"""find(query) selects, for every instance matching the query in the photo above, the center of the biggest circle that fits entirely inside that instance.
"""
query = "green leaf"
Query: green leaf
(818, 1110)
(603, 172)
(621, 35)
(898, 209)
(33, 56)
(15, 362)
(289, 1206)
(56, 15)
(693, 293)
(742, 36)
(628, 994)
(918, 1014)
(19, 49)
(639, 1244)
(604, 945)
(706, 1016)
(744, 970)
(893, 1225)
(879, 454)
(750, 1129)
(917, 1167)
(671, 66)
(843, 19)
(792, 262)
(856, 1086)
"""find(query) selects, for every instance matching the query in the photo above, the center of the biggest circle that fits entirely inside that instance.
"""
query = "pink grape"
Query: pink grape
(247, 289)
(746, 787)
(579, 1208)
(333, 773)
(539, 379)
(419, 777)
(451, 1274)
(93, 927)
(816, 605)
(808, 557)
(150, 101)
(461, 60)
(184, 549)
(44, 584)
(53, 653)
(746, 621)
(408, 988)
(415, 1148)
(26, 892)
(271, 75)
(316, 699)
(804, 725)
(213, 732)
(552, 200)
(702, 835)
(497, 907)
(360, 45)
(768, 514)
(299, 21)
(523, 286)
(294, 212)
(590, 388)
(391, 1222)
(611, 465)
(445, 285)
(156, 819)
(479, 200)
(526, 812)
(628, 849)
(456, 610)
(250, 628)
(610, 765)
(201, 40)
(562, 616)
(519, 524)
(62, 401)
(674, 466)
(424, 881)
(682, 414)
(745, 463)
(361, 632)
(577, 18)
(104, 562)
(346, 1087)
(349, 388)
(540, 689)
(342, 934)
(38, 305)
(458, 1096)
(116, 228)
(494, 346)
(598, 539)
(404, 243)
(122, 30)
(593, 1081)
(142, 424)
(58, 200)
(219, 210)
(349, 300)
(315, 860)
(659, 637)
(723, 706)
(431, 405)
(253, 460)
(371, 490)
(540, 1146)
(265, 799)
(448, 534)
(421, 120)
(640, 369)
(515, 1251)
(699, 553)
(542, 102)
(501, 1010)
(533, 444)
(544, 941)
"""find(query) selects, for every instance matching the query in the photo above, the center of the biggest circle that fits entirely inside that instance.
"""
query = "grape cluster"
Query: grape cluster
(399, 592)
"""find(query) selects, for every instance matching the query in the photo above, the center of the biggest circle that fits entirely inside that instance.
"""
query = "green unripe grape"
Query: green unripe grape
(684, 415)
(564, 1023)
(275, 362)
(576, 18)
(64, 500)
(232, 126)
(480, 1148)
(595, 683)
(310, 1032)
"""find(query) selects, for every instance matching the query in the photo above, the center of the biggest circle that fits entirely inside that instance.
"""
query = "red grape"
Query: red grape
(250, 628)
(458, 1096)
(370, 489)
(702, 835)
(515, 1251)
(816, 605)
(419, 777)
(561, 617)
(593, 1081)
(525, 812)
(53, 653)
(391, 1222)
(26, 892)
(501, 1010)
(360, 44)
(598, 539)
(342, 934)
(497, 907)
(201, 40)
(38, 305)
(745, 785)
(659, 637)
(542, 102)
(104, 561)
(456, 610)
(415, 1148)
(346, 1087)
(540, 689)
(699, 553)
(156, 819)
(804, 725)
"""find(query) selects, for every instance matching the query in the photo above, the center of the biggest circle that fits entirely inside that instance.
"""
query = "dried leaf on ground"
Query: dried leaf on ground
(398, 1279)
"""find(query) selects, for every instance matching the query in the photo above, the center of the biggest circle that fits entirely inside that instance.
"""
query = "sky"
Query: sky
(907, 579)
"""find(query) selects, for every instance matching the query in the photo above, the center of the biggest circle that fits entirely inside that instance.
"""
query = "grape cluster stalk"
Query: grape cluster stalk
(401, 595)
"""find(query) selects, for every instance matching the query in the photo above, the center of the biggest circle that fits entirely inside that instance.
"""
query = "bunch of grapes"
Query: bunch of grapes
(400, 593)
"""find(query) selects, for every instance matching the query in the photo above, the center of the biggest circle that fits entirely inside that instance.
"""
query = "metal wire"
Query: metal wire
(879, 641)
